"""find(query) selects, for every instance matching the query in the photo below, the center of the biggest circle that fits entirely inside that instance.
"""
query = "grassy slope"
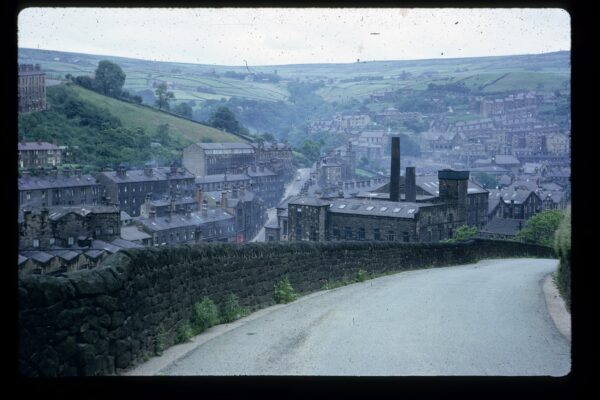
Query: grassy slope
(133, 116)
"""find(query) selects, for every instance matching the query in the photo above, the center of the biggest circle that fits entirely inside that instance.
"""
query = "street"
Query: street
(488, 318)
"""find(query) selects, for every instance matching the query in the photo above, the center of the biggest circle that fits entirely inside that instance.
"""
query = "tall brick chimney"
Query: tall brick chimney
(410, 185)
(395, 170)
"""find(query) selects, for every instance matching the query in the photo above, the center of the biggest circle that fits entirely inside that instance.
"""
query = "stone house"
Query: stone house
(66, 226)
(58, 189)
(39, 154)
(128, 188)
(202, 159)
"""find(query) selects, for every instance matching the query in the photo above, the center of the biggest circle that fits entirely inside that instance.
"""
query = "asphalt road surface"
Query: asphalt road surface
(291, 188)
(488, 318)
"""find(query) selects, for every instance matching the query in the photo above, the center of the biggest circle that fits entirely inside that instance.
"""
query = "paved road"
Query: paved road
(488, 318)
(291, 188)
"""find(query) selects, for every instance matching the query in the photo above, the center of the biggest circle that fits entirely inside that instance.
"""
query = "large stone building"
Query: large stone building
(39, 154)
(128, 188)
(277, 156)
(55, 188)
(32, 88)
(217, 158)
(387, 218)
(317, 219)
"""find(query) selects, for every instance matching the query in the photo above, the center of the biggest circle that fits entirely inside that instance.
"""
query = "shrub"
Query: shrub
(231, 309)
(184, 333)
(361, 275)
(206, 314)
(562, 246)
(161, 341)
(540, 228)
(284, 292)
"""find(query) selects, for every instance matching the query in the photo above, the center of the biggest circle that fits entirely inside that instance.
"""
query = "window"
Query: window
(98, 232)
(376, 234)
(110, 230)
(361, 233)
(336, 232)
(52, 241)
(347, 233)
(405, 236)
(313, 233)
(36, 243)
(70, 240)
(450, 217)
(298, 232)
(391, 236)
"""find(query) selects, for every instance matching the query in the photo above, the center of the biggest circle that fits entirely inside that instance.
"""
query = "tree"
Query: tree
(164, 97)
(310, 150)
(463, 233)
(224, 119)
(109, 79)
(183, 109)
(84, 81)
(541, 227)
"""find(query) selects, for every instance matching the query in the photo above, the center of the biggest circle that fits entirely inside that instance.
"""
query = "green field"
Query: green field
(133, 116)
(545, 72)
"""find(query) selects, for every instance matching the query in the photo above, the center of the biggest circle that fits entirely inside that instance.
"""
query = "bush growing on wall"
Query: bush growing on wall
(231, 309)
(284, 292)
(562, 246)
(206, 314)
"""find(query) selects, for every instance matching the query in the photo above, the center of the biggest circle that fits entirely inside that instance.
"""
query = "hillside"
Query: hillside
(200, 82)
(138, 116)
(101, 131)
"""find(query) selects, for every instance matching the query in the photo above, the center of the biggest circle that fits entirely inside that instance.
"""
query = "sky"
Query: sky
(277, 36)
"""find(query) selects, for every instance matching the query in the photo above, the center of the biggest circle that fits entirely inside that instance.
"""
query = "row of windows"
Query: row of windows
(361, 234)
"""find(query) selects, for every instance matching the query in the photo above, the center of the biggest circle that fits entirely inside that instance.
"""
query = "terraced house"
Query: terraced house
(128, 188)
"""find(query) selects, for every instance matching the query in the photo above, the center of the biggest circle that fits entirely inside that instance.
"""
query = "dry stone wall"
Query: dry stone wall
(100, 321)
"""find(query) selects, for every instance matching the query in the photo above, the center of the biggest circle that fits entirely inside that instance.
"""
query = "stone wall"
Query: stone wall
(97, 322)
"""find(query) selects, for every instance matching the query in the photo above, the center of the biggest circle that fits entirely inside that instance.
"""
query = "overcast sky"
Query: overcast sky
(293, 36)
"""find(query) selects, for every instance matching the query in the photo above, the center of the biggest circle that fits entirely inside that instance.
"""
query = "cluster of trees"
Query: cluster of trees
(95, 137)
(108, 80)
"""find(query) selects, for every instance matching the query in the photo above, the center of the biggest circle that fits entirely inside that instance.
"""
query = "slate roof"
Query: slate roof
(221, 178)
(430, 184)
(157, 224)
(503, 226)
(100, 244)
(308, 201)
(65, 254)
(376, 208)
(24, 146)
(94, 253)
(126, 244)
(22, 259)
(39, 256)
(132, 233)
(60, 181)
(138, 175)
(55, 213)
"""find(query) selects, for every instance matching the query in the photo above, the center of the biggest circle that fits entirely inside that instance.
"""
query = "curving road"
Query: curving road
(488, 318)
